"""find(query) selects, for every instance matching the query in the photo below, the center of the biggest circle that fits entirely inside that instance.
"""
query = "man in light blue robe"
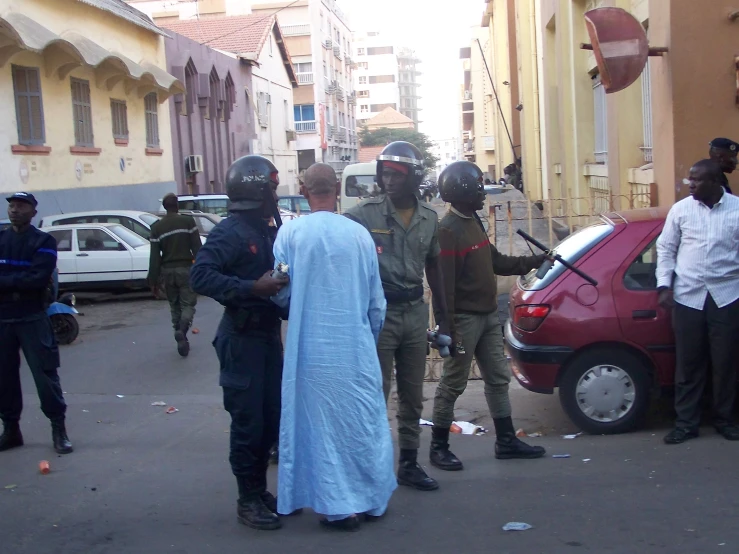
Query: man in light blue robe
(336, 452)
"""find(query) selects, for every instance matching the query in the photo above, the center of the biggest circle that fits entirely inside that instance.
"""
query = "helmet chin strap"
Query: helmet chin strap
(272, 203)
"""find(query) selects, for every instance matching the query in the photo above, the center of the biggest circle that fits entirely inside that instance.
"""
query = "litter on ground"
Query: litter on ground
(560, 455)
(586, 460)
(517, 526)
(425, 422)
(158, 403)
(570, 437)
(120, 396)
(467, 428)
(172, 410)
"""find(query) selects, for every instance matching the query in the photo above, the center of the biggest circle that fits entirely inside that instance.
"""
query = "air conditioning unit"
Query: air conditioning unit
(291, 135)
(194, 164)
(328, 43)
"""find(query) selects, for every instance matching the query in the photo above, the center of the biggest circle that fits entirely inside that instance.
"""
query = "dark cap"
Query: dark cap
(724, 144)
(23, 197)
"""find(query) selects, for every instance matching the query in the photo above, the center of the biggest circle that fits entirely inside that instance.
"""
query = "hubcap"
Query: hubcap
(605, 393)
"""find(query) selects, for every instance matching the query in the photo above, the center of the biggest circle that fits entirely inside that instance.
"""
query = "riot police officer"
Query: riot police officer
(405, 232)
(234, 267)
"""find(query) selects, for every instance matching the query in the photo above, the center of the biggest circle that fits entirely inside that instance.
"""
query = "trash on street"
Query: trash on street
(467, 428)
(425, 423)
(159, 403)
(570, 437)
(560, 455)
(517, 526)
(172, 410)
(44, 467)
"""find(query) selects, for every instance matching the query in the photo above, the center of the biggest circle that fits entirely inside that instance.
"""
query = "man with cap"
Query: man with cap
(234, 268)
(27, 264)
(405, 233)
(723, 151)
(175, 241)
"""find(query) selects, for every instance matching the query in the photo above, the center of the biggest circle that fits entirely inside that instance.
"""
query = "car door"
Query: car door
(101, 256)
(643, 321)
(66, 261)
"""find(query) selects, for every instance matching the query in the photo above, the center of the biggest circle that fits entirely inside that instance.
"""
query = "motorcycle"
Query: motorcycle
(62, 313)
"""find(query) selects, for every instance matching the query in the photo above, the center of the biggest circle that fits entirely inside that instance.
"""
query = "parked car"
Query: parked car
(207, 203)
(4, 224)
(138, 222)
(100, 256)
(606, 347)
(296, 204)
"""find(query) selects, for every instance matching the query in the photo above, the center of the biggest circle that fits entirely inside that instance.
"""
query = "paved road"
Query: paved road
(142, 481)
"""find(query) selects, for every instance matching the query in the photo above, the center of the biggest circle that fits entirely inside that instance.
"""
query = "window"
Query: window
(363, 93)
(360, 51)
(119, 115)
(63, 240)
(642, 273)
(95, 240)
(306, 67)
(646, 96)
(127, 236)
(82, 109)
(362, 65)
(205, 225)
(262, 108)
(361, 186)
(381, 79)
(601, 121)
(305, 113)
(270, 44)
(363, 80)
(378, 50)
(363, 108)
(151, 105)
(29, 109)
(149, 219)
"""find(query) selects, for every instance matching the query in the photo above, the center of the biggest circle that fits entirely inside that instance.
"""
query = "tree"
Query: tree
(385, 135)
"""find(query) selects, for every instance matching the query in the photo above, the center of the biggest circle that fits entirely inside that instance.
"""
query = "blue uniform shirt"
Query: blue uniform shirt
(27, 262)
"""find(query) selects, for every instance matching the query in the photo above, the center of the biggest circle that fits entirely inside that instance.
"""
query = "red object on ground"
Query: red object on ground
(44, 467)
(195, 330)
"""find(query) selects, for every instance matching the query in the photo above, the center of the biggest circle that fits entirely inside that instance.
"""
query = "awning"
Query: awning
(70, 50)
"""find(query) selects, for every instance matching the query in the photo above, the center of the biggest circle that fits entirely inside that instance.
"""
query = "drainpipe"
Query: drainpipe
(535, 79)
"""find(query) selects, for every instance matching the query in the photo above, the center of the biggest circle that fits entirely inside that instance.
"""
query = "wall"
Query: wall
(271, 77)
(377, 64)
(117, 177)
(220, 142)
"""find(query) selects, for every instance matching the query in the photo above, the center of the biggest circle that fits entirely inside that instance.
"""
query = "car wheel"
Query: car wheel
(606, 391)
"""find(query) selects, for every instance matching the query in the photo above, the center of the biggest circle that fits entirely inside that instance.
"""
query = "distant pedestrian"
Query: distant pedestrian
(724, 151)
(336, 452)
(27, 264)
(175, 242)
(698, 276)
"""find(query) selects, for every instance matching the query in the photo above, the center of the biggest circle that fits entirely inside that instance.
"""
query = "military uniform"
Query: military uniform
(402, 252)
(247, 343)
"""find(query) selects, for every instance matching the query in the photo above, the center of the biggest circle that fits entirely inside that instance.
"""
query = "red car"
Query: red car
(607, 346)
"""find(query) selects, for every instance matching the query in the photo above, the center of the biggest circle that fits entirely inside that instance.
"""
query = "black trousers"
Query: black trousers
(36, 339)
(251, 377)
(702, 335)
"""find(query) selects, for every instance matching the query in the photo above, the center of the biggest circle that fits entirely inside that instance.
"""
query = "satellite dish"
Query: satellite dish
(620, 45)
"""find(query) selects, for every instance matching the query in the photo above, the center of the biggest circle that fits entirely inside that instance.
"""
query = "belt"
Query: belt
(251, 320)
(405, 295)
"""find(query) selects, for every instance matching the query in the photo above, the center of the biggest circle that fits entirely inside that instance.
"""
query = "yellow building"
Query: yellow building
(84, 100)
(586, 151)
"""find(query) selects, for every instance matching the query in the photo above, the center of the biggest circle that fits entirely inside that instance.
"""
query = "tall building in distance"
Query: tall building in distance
(385, 77)
(448, 150)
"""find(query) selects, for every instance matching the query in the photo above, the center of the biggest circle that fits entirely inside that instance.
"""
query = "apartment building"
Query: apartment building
(385, 77)
(448, 150)
(319, 40)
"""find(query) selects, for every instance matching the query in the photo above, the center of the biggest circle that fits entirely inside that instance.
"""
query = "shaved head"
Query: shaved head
(320, 180)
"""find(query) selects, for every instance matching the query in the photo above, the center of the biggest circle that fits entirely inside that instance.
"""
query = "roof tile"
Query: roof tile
(237, 34)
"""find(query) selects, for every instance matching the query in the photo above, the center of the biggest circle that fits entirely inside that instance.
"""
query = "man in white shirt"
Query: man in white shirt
(698, 276)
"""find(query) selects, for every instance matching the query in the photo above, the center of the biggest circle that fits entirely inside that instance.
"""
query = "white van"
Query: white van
(358, 181)
(207, 203)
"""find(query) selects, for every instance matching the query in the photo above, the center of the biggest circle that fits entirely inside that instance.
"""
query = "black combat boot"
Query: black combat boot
(251, 510)
(183, 345)
(508, 446)
(59, 437)
(440, 455)
(411, 474)
(11, 437)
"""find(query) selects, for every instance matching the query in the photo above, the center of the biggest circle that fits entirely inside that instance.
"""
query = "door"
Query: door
(101, 257)
(66, 261)
(643, 322)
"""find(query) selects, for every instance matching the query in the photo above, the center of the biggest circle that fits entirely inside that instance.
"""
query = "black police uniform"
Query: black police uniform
(238, 252)
(27, 263)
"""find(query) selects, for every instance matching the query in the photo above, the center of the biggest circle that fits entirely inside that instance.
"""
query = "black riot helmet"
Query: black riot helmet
(248, 182)
(404, 156)
(461, 182)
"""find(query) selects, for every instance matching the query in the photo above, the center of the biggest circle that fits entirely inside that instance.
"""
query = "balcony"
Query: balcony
(328, 43)
(351, 99)
(305, 126)
(295, 30)
(337, 52)
(305, 78)
(342, 135)
(339, 93)
(348, 59)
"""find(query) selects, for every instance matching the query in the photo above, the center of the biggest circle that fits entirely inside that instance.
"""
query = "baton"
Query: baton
(557, 257)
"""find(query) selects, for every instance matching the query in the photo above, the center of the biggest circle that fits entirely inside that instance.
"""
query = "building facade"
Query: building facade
(85, 91)
(319, 39)
(213, 119)
(448, 150)
(597, 151)
(386, 77)
(255, 41)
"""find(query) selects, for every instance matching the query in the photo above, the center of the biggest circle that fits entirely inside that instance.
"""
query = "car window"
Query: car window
(128, 236)
(205, 225)
(63, 240)
(361, 186)
(149, 219)
(138, 228)
(285, 204)
(72, 221)
(95, 240)
(642, 273)
(572, 248)
(303, 204)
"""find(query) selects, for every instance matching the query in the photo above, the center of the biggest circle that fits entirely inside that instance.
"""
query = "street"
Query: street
(143, 481)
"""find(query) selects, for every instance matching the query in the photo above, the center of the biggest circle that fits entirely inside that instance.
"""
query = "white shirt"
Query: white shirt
(700, 247)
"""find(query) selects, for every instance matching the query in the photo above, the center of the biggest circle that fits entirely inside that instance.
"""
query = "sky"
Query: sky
(436, 30)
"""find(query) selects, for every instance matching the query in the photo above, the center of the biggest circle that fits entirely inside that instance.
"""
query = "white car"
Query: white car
(100, 256)
(138, 222)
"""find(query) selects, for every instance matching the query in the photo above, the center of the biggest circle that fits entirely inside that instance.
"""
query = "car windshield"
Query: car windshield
(204, 223)
(149, 219)
(302, 203)
(127, 236)
(361, 186)
(218, 206)
(572, 248)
